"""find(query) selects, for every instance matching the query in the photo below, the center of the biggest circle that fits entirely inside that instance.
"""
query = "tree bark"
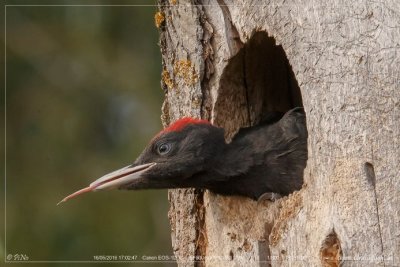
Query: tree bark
(231, 64)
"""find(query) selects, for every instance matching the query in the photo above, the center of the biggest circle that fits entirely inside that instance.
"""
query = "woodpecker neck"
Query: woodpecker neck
(234, 160)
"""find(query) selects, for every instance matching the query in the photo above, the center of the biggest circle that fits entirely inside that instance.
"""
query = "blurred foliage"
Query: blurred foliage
(83, 98)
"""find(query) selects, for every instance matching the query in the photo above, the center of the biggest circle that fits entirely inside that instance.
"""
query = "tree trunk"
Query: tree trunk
(231, 64)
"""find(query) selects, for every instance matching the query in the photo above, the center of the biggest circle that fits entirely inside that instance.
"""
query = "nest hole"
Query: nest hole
(257, 81)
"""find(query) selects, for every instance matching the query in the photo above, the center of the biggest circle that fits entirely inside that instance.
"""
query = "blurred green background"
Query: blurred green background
(83, 98)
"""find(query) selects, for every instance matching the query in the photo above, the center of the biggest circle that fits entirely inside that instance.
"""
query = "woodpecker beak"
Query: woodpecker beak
(113, 180)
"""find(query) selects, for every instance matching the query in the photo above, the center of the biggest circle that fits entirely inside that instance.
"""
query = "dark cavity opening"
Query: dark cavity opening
(370, 173)
(258, 84)
(258, 80)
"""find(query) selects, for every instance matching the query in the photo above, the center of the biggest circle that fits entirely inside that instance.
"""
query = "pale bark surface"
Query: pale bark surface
(221, 64)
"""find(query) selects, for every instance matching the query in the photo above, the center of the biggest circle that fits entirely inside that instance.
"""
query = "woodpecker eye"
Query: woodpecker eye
(164, 148)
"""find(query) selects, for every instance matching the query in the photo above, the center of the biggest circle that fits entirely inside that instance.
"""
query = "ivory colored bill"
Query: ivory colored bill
(113, 180)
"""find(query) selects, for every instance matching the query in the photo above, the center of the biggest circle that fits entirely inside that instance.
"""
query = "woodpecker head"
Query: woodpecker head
(172, 159)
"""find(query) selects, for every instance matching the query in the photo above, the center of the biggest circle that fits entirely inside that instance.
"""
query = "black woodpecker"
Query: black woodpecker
(192, 153)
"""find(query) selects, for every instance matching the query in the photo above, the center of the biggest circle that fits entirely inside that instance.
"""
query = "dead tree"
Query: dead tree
(231, 63)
